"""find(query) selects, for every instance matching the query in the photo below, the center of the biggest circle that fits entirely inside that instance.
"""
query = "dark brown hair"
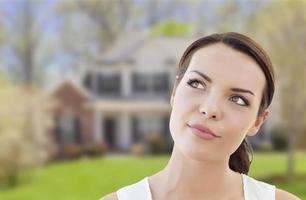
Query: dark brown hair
(239, 160)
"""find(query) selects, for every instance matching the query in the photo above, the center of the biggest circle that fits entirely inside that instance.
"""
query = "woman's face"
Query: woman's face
(215, 104)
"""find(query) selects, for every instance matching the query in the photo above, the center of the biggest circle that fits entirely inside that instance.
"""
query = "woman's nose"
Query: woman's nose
(210, 108)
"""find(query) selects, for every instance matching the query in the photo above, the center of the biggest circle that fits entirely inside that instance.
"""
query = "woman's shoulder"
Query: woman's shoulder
(139, 189)
(256, 186)
(111, 196)
(284, 195)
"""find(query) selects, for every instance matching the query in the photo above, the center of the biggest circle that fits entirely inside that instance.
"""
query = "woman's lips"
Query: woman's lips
(203, 132)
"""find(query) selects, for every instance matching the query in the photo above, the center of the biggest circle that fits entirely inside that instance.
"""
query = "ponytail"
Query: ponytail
(239, 161)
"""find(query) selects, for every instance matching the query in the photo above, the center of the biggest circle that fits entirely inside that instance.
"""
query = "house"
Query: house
(122, 98)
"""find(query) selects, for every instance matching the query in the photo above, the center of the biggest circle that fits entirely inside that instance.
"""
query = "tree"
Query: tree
(26, 51)
(101, 24)
(281, 26)
(16, 151)
(107, 20)
(171, 29)
(235, 15)
(23, 132)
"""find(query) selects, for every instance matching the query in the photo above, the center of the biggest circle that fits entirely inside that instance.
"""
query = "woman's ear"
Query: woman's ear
(258, 123)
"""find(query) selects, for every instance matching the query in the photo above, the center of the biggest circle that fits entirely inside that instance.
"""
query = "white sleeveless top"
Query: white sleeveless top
(253, 190)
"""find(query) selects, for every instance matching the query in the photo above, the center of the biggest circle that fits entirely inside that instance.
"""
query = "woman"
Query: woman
(222, 92)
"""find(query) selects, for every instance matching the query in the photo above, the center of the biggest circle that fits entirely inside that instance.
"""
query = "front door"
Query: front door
(110, 131)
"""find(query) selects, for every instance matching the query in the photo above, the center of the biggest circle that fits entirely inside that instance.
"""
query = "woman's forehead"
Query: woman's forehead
(224, 65)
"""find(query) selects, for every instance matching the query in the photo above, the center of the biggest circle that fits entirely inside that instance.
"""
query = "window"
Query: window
(150, 83)
(109, 84)
(140, 83)
(69, 129)
(161, 83)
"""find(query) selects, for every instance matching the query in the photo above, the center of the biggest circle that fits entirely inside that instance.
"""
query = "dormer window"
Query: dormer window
(150, 83)
(109, 84)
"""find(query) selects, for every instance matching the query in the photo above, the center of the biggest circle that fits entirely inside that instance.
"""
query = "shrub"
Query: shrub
(72, 151)
(156, 143)
(96, 149)
(24, 125)
(279, 138)
(138, 149)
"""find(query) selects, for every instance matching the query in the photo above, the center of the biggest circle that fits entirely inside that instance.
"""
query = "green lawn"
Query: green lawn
(93, 178)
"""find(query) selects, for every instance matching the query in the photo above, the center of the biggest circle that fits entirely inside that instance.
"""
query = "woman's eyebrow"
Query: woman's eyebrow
(207, 78)
(242, 90)
(203, 75)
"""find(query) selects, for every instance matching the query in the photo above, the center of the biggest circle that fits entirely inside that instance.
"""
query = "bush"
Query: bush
(72, 151)
(10, 163)
(156, 143)
(279, 138)
(138, 149)
(24, 125)
(96, 149)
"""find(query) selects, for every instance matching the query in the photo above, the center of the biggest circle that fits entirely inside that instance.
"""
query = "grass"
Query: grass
(271, 168)
(93, 178)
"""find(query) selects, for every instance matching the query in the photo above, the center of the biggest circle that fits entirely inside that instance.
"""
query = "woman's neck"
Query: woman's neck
(186, 176)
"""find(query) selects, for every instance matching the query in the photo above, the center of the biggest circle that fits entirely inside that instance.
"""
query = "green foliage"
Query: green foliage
(171, 29)
(279, 138)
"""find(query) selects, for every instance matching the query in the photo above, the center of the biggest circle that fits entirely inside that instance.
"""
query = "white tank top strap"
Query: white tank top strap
(254, 189)
(136, 191)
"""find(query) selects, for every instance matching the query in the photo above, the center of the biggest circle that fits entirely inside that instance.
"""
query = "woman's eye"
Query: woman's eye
(240, 101)
(195, 83)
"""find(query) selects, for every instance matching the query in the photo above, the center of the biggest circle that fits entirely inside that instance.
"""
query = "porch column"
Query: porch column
(96, 84)
(124, 134)
(126, 83)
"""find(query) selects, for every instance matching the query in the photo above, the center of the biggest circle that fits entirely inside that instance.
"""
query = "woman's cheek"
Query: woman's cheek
(234, 130)
(178, 117)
